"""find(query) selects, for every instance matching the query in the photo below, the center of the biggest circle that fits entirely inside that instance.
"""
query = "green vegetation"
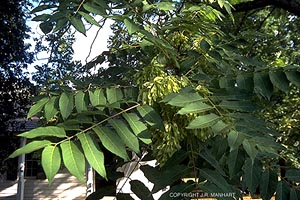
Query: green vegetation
(209, 88)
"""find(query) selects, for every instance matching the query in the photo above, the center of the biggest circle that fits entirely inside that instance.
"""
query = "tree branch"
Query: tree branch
(293, 6)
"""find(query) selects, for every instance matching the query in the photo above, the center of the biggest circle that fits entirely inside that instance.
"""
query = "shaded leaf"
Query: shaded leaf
(150, 116)
(165, 6)
(282, 191)
(293, 175)
(263, 85)
(279, 79)
(111, 141)
(128, 138)
(51, 161)
(250, 148)
(216, 178)
(204, 121)
(78, 24)
(131, 26)
(252, 174)
(138, 127)
(140, 190)
(235, 162)
(294, 77)
(268, 184)
(45, 131)
(94, 8)
(244, 106)
(73, 159)
(46, 27)
(30, 147)
(93, 153)
(207, 155)
(89, 18)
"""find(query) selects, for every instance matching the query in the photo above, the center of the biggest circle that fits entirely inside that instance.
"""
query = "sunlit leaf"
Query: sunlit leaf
(73, 159)
(51, 161)
(36, 108)
(80, 101)
(45, 131)
(93, 153)
(30, 147)
(196, 107)
(97, 98)
(66, 104)
(204, 121)
(50, 108)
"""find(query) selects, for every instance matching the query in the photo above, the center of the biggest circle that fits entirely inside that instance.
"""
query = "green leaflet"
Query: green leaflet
(235, 162)
(150, 116)
(294, 77)
(268, 184)
(131, 26)
(80, 101)
(45, 131)
(51, 161)
(216, 178)
(66, 104)
(245, 81)
(93, 153)
(97, 98)
(140, 190)
(263, 85)
(94, 8)
(196, 107)
(243, 106)
(250, 148)
(30, 147)
(279, 79)
(235, 139)
(207, 155)
(294, 194)
(293, 175)
(183, 99)
(282, 191)
(165, 6)
(78, 24)
(37, 107)
(50, 108)
(204, 121)
(138, 127)
(89, 18)
(111, 141)
(73, 159)
(114, 95)
(128, 138)
(252, 174)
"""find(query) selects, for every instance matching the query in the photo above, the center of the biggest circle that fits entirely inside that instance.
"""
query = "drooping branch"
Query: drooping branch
(293, 6)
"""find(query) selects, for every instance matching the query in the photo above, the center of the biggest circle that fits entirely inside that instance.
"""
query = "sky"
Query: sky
(81, 46)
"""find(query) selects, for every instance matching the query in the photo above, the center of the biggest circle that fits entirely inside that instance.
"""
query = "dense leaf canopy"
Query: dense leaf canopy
(190, 82)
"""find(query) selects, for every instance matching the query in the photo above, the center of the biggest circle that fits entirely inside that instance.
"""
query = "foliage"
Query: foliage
(194, 101)
(15, 87)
